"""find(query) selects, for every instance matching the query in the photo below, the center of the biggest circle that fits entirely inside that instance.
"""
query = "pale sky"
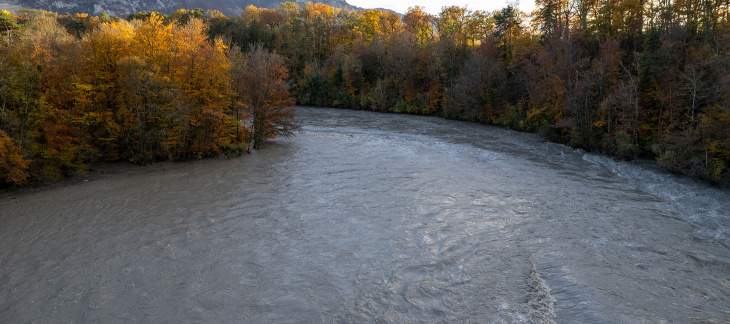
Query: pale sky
(434, 6)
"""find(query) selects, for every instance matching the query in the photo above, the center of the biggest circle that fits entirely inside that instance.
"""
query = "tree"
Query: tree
(552, 17)
(151, 112)
(370, 23)
(99, 88)
(451, 24)
(472, 97)
(419, 24)
(265, 93)
(7, 23)
(507, 26)
(201, 70)
(13, 166)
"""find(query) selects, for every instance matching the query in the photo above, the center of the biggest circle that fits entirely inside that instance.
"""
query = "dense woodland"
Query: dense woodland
(628, 78)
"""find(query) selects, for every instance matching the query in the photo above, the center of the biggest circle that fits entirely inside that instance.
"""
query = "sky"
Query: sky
(434, 6)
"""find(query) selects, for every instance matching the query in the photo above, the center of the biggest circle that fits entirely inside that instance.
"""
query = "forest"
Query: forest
(628, 78)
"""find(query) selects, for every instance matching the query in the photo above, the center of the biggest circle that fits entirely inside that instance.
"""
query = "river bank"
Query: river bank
(104, 170)
(97, 171)
(100, 170)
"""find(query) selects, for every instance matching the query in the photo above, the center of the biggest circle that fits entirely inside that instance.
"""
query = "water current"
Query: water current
(366, 217)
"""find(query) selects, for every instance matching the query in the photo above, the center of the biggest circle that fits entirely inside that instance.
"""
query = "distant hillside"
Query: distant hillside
(123, 8)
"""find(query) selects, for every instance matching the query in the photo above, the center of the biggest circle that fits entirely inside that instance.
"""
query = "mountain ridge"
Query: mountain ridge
(122, 8)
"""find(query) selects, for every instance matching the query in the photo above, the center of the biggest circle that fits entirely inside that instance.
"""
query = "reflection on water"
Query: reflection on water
(365, 217)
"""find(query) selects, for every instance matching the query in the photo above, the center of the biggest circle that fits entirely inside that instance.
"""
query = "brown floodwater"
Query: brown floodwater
(366, 217)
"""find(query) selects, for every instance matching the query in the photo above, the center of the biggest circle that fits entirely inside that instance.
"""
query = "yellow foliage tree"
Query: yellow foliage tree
(13, 167)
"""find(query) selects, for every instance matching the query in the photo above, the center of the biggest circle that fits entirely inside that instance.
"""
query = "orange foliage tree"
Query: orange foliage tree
(13, 167)
(264, 91)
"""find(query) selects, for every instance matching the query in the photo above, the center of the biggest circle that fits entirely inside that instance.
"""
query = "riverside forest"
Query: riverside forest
(428, 180)
(626, 78)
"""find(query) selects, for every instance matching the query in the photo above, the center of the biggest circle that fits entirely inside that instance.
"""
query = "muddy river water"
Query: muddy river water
(366, 217)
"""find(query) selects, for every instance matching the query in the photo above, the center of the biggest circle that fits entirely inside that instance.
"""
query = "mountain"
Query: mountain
(123, 8)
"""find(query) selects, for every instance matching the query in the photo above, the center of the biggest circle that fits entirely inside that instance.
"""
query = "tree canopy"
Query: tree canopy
(627, 78)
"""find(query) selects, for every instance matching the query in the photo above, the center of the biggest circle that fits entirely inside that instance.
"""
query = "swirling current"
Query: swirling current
(367, 217)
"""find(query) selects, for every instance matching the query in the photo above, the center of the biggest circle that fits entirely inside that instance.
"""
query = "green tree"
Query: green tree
(7, 24)
(507, 26)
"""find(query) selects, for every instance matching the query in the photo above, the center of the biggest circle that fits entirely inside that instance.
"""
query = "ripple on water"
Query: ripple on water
(365, 217)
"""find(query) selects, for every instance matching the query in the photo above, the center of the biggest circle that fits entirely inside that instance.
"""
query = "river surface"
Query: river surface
(366, 217)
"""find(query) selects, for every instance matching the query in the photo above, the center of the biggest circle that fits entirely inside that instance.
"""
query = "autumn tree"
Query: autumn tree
(200, 69)
(419, 24)
(99, 88)
(451, 26)
(48, 119)
(13, 166)
(264, 91)
(7, 24)
(182, 16)
(474, 94)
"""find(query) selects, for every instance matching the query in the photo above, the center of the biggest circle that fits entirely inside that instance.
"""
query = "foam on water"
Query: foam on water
(539, 299)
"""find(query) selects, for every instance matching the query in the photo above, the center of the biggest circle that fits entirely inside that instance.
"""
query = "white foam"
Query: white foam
(539, 299)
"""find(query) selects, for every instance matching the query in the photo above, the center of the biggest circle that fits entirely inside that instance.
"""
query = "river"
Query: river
(367, 217)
